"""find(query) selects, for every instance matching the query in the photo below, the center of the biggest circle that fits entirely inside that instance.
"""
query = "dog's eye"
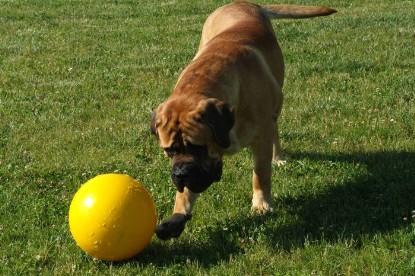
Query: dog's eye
(195, 149)
(171, 152)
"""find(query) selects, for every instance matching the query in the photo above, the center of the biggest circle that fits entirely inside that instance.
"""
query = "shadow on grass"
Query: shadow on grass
(373, 204)
(376, 202)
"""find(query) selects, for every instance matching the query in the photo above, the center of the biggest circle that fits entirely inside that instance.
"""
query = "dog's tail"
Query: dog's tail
(293, 11)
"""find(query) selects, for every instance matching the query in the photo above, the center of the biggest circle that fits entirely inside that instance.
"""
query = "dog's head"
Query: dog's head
(193, 136)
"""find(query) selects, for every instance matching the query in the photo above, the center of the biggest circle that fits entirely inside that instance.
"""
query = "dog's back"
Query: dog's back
(249, 24)
(234, 18)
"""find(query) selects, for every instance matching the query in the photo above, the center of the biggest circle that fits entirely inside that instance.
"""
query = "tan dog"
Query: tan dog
(229, 97)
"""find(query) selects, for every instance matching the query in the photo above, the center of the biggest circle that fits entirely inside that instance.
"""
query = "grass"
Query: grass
(78, 83)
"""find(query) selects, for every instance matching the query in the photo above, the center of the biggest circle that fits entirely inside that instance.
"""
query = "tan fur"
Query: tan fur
(239, 67)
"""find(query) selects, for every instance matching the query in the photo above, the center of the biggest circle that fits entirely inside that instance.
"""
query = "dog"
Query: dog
(229, 97)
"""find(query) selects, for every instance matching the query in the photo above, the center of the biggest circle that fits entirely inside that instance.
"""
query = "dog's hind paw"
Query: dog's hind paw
(279, 162)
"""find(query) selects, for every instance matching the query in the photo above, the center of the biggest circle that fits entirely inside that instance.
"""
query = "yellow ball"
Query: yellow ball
(112, 217)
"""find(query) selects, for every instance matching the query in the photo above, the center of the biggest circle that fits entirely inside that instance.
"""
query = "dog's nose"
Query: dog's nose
(184, 174)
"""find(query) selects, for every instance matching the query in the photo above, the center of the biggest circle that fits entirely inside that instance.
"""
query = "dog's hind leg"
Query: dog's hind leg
(278, 154)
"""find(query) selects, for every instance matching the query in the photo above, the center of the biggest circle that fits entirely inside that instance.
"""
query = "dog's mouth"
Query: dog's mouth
(194, 177)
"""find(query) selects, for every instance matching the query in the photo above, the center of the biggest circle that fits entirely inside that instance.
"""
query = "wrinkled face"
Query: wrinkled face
(191, 140)
(193, 167)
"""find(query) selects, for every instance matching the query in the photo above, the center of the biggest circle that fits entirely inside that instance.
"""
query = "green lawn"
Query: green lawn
(79, 81)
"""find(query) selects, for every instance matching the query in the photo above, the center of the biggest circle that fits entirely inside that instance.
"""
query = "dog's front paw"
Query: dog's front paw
(172, 227)
(261, 206)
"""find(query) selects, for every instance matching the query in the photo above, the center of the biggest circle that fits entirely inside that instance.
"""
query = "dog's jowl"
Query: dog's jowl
(228, 97)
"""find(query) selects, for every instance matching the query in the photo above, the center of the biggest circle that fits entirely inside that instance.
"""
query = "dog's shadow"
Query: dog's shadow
(377, 202)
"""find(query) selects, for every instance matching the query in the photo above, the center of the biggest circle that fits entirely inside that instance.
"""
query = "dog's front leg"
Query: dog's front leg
(182, 212)
(261, 180)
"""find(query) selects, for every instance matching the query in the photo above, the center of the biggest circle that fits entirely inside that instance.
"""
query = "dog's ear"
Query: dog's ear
(220, 119)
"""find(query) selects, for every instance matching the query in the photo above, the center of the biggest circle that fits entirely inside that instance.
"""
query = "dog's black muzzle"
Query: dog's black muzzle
(192, 176)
